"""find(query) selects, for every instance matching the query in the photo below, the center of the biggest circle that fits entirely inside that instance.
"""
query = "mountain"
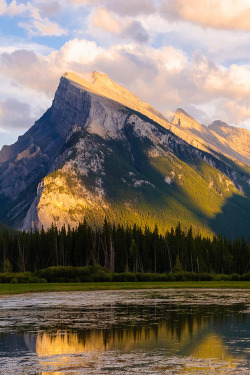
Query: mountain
(220, 137)
(99, 152)
(4, 227)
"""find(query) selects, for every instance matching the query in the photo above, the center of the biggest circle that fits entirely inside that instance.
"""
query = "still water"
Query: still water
(126, 332)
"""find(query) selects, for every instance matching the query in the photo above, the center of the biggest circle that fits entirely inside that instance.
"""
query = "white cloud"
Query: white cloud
(21, 115)
(103, 19)
(42, 27)
(135, 31)
(10, 45)
(78, 51)
(50, 8)
(121, 7)
(132, 7)
(217, 14)
(36, 24)
(86, 2)
(13, 9)
(125, 28)
(3, 6)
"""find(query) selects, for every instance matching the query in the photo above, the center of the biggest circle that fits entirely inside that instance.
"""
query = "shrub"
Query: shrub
(64, 274)
(245, 277)
(75, 274)
(235, 277)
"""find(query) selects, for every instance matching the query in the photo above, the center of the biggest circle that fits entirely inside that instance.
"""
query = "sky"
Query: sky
(191, 54)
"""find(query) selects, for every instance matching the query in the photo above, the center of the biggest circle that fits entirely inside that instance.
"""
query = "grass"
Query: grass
(6, 289)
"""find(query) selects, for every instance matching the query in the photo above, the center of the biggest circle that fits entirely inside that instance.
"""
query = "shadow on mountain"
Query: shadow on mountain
(229, 222)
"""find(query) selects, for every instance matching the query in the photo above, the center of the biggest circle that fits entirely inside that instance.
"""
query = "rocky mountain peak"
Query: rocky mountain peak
(100, 84)
(184, 120)
(223, 128)
(112, 89)
(181, 111)
(218, 124)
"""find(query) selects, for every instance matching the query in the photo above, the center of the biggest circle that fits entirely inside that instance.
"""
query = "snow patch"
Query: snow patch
(139, 183)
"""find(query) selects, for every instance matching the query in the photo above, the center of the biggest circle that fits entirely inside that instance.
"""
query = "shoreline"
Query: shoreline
(14, 289)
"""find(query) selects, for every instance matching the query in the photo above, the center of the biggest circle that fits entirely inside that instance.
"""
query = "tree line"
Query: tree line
(122, 249)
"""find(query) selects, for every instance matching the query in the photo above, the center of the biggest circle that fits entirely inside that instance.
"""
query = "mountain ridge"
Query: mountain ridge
(216, 138)
(91, 156)
(101, 84)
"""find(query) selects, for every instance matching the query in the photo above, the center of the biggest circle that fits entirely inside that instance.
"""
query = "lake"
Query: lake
(126, 332)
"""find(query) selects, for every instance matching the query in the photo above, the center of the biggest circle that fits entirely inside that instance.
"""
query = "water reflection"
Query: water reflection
(199, 336)
(57, 350)
(142, 338)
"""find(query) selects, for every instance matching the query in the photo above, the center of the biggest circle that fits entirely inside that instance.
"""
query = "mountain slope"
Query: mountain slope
(237, 138)
(92, 156)
(4, 227)
(229, 140)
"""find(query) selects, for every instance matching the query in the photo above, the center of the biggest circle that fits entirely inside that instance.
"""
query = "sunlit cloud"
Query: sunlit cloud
(103, 19)
(218, 14)
(126, 28)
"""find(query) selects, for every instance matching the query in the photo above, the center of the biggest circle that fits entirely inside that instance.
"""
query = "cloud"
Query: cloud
(3, 6)
(10, 45)
(15, 118)
(86, 2)
(13, 9)
(36, 25)
(132, 7)
(48, 9)
(15, 115)
(164, 77)
(135, 31)
(217, 14)
(235, 112)
(42, 27)
(198, 113)
(101, 18)
(77, 51)
(125, 28)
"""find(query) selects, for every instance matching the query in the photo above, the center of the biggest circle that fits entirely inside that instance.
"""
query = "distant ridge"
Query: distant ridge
(229, 140)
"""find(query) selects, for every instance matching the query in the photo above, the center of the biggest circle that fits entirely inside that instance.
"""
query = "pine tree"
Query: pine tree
(177, 266)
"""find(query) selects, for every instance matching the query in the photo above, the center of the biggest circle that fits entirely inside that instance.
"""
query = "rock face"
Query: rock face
(229, 140)
(236, 138)
(100, 152)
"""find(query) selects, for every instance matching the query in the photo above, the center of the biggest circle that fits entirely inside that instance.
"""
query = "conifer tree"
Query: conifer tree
(177, 266)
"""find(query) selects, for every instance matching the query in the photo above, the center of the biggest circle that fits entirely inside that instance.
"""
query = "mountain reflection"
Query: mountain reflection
(199, 338)
(200, 332)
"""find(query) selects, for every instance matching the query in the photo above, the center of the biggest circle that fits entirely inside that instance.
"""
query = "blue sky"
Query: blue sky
(171, 53)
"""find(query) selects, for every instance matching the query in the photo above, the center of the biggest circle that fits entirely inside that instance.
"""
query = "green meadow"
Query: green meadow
(6, 289)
